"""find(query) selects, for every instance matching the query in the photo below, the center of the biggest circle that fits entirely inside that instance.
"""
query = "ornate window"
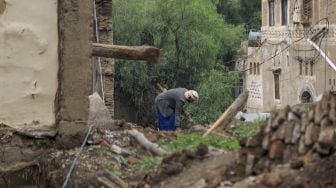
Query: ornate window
(303, 11)
(307, 12)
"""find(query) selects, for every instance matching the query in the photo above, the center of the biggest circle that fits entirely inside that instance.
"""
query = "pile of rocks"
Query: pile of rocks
(289, 135)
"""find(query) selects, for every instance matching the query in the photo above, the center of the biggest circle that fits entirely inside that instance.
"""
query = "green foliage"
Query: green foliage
(111, 168)
(251, 13)
(246, 129)
(239, 12)
(148, 163)
(191, 141)
(194, 38)
(216, 94)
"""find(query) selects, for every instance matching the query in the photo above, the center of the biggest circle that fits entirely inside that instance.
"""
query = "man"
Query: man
(169, 105)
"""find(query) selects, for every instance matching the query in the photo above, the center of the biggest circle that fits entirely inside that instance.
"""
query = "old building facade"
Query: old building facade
(285, 68)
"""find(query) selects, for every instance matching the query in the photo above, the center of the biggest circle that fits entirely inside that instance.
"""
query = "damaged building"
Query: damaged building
(51, 59)
(292, 59)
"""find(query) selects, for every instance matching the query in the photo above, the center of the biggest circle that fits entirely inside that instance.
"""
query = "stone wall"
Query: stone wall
(288, 136)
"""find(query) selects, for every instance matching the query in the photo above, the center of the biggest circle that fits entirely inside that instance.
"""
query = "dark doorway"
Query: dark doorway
(306, 97)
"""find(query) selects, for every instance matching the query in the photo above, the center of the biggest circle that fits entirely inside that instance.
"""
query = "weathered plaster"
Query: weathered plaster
(28, 62)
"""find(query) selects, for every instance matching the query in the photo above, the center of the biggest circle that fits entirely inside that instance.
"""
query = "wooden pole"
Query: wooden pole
(229, 112)
(144, 142)
(147, 53)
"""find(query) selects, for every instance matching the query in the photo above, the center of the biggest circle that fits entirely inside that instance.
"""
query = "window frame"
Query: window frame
(271, 13)
(276, 76)
(284, 12)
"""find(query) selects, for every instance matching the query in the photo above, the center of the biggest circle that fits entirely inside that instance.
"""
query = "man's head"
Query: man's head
(191, 95)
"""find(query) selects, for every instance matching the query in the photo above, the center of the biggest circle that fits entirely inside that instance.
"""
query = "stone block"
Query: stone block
(279, 134)
(296, 133)
(289, 132)
(296, 163)
(271, 179)
(276, 150)
(265, 142)
(11, 154)
(71, 134)
(302, 149)
(249, 164)
(326, 140)
(311, 134)
(293, 117)
(289, 152)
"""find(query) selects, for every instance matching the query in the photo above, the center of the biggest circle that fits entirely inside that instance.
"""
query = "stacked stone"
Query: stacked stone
(289, 135)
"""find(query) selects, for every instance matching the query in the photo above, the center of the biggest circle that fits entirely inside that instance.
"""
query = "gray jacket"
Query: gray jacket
(170, 101)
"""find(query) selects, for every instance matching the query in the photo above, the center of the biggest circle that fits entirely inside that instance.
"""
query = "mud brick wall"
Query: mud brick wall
(104, 16)
(289, 135)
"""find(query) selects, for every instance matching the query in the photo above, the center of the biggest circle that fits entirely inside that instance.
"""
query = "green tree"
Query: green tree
(216, 91)
(251, 13)
(194, 39)
(191, 33)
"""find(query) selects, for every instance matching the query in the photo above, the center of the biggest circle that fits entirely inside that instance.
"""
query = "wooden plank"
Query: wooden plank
(229, 112)
(147, 53)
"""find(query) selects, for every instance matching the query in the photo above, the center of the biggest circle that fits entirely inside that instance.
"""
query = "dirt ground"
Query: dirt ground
(296, 148)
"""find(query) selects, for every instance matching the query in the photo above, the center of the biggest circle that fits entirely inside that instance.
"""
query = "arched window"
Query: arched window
(276, 85)
(311, 69)
(306, 97)
(300, 64)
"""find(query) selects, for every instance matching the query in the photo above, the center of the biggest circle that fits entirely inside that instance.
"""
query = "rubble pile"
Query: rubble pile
(295, 148)
(289, 135)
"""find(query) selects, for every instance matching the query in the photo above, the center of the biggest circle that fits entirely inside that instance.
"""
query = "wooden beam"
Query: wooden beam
(144, 142)
(230, 112)
(147, 53)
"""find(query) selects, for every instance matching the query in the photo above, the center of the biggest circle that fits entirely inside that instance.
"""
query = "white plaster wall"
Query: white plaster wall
(28, 62)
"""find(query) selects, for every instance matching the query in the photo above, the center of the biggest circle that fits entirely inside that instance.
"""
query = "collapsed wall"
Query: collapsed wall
(289, 134)
(291, 149)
